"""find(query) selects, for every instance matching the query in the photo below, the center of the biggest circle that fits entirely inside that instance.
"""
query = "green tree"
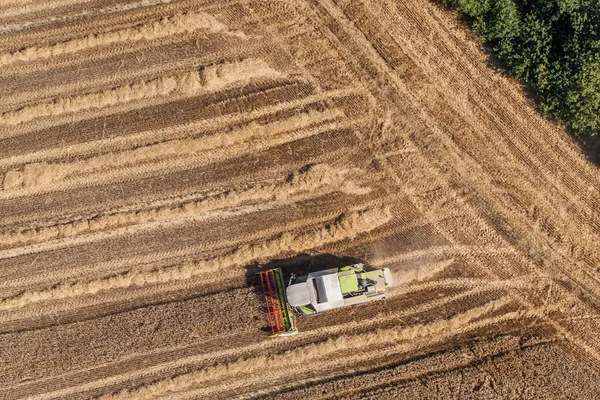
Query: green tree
(553, 46)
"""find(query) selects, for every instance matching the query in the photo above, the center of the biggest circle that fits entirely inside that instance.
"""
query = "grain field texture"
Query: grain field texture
(156, 154)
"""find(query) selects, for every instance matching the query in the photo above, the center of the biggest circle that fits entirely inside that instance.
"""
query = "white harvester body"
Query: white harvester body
(337, 287)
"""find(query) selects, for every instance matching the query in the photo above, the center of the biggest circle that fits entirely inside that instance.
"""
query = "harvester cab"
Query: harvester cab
(318, 292)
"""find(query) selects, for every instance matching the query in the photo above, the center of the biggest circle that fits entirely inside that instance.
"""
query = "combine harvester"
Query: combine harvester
(318, 292)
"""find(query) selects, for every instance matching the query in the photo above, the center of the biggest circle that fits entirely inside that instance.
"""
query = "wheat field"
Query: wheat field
(156, 154)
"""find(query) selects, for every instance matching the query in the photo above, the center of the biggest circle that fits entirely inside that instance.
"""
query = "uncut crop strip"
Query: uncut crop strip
(539, 160)
(347, 227)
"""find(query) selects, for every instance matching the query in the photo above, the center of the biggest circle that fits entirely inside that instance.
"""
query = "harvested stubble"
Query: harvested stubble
(369, 128)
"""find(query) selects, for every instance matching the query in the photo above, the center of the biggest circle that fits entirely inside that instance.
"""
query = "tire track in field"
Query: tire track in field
(347, 226)
(382, 67)
(443, 251)
(518, 107)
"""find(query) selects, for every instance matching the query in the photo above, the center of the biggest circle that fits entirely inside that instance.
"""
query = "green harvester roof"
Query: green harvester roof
(348, 281)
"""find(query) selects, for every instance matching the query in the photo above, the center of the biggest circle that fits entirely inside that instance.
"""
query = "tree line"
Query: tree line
(553, 46)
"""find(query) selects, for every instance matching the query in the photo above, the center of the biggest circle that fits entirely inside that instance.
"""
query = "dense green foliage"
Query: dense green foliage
(552, 45)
